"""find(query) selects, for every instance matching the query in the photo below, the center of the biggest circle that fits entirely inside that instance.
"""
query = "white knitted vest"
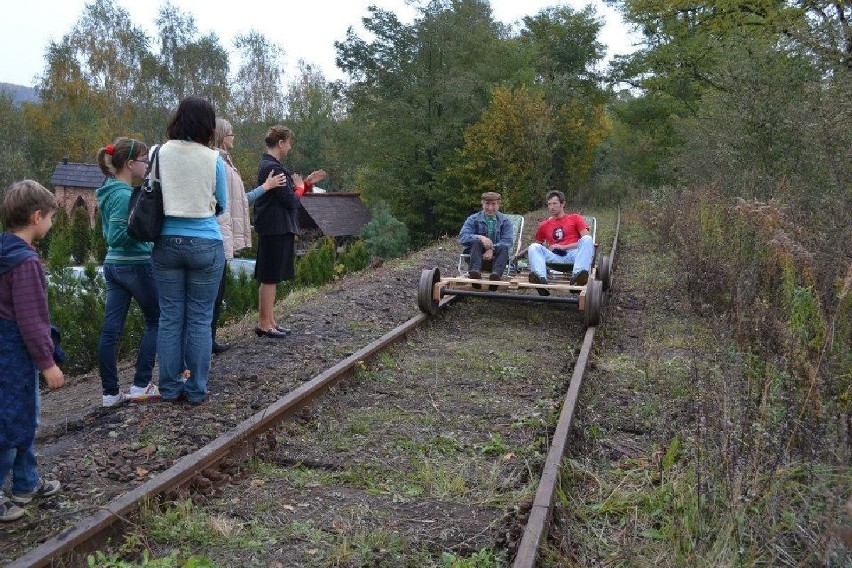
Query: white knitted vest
(188, 176)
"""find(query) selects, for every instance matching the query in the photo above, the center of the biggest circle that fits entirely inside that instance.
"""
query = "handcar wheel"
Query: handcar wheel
(425, 301)
(594, 301)
(604, 273)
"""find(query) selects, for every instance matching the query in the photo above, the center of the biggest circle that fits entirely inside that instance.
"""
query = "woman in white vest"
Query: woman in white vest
(188, 255)
(234, 223)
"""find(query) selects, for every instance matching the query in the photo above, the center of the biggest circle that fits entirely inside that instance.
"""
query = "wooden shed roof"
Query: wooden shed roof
(70, 174)
(335, 214)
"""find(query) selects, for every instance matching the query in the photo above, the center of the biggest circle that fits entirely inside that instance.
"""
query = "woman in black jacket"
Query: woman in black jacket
(276, 220)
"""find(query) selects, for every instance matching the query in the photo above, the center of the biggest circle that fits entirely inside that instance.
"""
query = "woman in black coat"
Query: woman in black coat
(276, 220)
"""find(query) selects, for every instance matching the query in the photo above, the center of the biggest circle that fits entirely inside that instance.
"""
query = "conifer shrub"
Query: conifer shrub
(385, 236)
(240, 296)
(99, 244)
(77, 309)
(316, 267)
(355, 257)
(60, 222)
(61, 245)
(81, 235)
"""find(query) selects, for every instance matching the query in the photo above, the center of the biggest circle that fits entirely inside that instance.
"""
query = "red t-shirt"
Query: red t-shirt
(563, 231)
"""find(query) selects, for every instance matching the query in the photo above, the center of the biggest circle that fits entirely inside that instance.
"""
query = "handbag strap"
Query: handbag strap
(154, 163)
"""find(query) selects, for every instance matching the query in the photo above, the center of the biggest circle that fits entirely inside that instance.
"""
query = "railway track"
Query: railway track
(249, 435)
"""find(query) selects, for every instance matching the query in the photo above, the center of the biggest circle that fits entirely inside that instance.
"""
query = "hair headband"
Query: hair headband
(130, 153)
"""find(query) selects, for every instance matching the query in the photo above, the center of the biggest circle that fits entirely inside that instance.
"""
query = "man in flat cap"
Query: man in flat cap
(487, 236)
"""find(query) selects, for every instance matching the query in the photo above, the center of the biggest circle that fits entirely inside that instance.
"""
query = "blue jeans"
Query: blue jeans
(580, 257)
(126, 281)
(187, 271)
(22, 463)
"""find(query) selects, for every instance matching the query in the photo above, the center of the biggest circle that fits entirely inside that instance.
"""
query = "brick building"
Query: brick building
(75, 185)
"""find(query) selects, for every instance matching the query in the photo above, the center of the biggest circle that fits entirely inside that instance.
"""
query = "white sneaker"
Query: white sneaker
(144, 394)
(114, 399)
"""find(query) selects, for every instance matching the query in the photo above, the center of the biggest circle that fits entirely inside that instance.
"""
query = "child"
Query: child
(128, 273)
(26, 346)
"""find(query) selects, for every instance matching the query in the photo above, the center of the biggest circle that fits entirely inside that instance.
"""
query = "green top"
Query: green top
(113, 201)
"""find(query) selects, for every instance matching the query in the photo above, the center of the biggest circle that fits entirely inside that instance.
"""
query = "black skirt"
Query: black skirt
(276, 256)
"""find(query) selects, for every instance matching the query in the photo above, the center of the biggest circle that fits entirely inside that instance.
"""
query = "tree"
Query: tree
(311, 112)
(99, 244)
(564, 49)
(508, 150)
(13, 159)
(58, 246)
(686, 43)
(88, 86)
(414, 90)
(73, 119)
(385, 236)
(109, 49)
(81, 235)
(257, 94)
(189, 64)
(641, 141)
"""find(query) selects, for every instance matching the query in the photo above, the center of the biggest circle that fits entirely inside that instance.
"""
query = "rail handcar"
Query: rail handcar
(515, 284)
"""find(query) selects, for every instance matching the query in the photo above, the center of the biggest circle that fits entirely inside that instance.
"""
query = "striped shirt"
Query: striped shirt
(23, 299)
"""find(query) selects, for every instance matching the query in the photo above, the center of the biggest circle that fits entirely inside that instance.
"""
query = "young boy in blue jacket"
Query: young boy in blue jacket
(26, 346)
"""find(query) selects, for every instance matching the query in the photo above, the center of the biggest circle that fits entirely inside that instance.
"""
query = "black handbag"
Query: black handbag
(145, 213)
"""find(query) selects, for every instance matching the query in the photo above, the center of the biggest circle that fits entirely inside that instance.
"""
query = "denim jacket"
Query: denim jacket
(475, 225)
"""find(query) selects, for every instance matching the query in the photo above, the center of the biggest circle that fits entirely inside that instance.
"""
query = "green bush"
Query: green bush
(355, 257)
(77, 308)
(99, 244)
(385, 236)
(316, 267)
(61, 247)
(60, 222)
(240, 296)
(81, 235)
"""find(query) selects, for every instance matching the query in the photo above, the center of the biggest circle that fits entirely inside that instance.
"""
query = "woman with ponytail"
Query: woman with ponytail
(128, 273)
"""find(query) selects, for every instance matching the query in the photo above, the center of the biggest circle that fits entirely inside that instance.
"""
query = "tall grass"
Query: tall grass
(773, 439)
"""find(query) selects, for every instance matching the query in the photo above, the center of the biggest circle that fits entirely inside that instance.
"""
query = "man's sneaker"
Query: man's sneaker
(144, 394)
(42, 489)
(536, 279)
(494, 277)
(580, 278)
(476, 275)
(113, 399)
(9, 511)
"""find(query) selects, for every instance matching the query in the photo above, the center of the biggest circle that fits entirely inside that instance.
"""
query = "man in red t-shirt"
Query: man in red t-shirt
(562, 239)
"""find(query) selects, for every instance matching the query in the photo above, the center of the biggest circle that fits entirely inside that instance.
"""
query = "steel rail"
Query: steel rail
(541, 513)
(235, 443)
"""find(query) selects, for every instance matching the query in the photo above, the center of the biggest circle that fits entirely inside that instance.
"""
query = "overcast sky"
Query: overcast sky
(305, 29)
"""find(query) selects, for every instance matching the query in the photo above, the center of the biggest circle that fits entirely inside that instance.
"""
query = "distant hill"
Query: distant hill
(20, 94)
